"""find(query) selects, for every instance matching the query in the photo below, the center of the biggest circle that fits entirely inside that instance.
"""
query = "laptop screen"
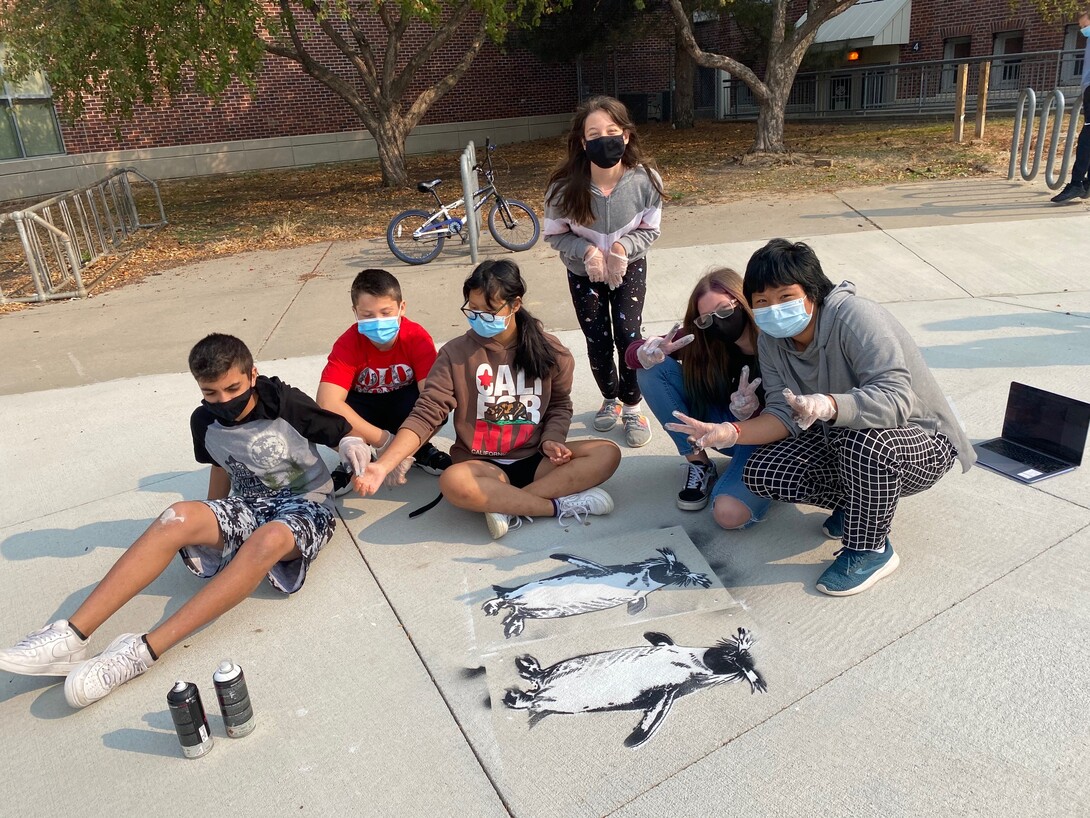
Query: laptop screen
(1050, 423)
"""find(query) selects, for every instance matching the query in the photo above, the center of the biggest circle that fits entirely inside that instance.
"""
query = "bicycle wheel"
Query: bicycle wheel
(517, 228)
(410, 248)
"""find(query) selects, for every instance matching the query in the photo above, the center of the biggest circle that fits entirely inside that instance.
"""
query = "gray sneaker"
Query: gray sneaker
(126, 658)
(637, 429)
(608, 415)
(54, 650)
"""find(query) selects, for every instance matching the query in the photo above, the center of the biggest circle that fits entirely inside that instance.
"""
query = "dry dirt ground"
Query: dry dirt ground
(223, 215)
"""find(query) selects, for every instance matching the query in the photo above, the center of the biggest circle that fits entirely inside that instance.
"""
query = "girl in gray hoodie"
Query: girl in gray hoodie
(603, 207)
(854, 418)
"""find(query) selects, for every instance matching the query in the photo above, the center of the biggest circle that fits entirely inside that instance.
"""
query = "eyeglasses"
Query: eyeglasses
(705, 321)
(473, 315)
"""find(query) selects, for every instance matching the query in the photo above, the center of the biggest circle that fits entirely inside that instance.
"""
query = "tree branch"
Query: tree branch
(819, 13)
(428, 97)
(438, 40)
(736, 69)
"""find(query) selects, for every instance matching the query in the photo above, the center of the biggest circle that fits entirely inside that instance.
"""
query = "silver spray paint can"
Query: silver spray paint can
(190, 722)
(234, 699)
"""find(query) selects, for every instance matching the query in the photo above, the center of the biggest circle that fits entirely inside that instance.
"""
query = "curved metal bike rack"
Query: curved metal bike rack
(468, 166)
(1029, 172)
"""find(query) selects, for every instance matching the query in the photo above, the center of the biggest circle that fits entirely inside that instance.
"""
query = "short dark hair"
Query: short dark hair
(781, 263)
(377, 283)
(213, 355)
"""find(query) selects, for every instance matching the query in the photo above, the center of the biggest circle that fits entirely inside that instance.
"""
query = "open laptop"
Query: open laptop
(1044, 434)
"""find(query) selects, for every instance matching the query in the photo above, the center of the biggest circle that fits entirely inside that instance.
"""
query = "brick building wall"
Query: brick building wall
(936, 21)
(288, 102)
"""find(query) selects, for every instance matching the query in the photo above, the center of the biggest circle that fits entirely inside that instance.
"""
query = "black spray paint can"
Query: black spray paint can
(184, 701)
(234, 699)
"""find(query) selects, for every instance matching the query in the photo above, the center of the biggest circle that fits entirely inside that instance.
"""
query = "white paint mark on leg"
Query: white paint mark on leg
(169, 516)
(76, 365)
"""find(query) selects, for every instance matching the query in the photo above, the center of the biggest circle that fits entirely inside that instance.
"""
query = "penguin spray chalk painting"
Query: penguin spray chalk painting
(590, 587)
(647, 678)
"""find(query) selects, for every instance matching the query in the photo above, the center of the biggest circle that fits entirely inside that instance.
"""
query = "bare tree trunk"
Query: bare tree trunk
(684, 81)
(390, 142)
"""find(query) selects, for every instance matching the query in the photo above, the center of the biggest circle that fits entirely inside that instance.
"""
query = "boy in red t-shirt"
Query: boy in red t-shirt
(376, 371)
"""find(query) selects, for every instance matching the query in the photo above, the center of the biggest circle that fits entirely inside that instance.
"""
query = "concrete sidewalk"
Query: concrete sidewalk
(957, 686)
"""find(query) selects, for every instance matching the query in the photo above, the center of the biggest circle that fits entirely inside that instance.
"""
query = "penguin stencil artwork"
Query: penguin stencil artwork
(590, 587)
(647, 678)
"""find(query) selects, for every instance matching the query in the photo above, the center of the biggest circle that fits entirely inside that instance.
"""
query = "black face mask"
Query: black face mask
(729, 329)
(229, 410)
(605, 151)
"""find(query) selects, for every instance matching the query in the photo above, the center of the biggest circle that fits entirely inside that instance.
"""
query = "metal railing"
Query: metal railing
(63, 236)
(1057, 103)
(914, 88)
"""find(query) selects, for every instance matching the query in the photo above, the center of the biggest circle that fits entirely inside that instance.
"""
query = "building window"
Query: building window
(1005, 73)
(954, 48)
(1074, 53)
(28, 121)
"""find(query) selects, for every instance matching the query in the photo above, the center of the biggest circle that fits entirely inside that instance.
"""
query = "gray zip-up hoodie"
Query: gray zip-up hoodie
(865, 359)
(631, 214)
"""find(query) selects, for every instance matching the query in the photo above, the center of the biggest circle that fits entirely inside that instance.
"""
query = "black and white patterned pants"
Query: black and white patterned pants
(611, 319)
(864, 471)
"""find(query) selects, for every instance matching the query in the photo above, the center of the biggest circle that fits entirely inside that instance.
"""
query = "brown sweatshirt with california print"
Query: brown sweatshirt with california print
(499, 412)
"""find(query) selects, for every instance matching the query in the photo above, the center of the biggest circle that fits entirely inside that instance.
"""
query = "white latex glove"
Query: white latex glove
(596, 265)
(744, 402)
(705, 435)
(616, 267)
(354, 453)
(396, 477)
(381, 448)
(809, 409)
(653, 351)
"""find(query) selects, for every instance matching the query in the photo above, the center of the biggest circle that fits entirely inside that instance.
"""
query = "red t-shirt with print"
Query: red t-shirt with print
(357, 364)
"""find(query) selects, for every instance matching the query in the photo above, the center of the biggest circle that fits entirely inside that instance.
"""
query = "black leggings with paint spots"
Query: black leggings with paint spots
(611, 319)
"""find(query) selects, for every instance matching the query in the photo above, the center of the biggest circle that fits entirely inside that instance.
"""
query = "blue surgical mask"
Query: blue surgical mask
(379, 330)
(486, 328)
(783, 320)
(1085, 32)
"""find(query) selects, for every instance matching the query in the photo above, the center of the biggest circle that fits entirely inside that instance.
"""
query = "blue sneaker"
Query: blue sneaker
(834, 524)
(853, 572)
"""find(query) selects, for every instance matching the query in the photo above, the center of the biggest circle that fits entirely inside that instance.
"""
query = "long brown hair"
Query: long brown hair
(707, 368)
(569, 184)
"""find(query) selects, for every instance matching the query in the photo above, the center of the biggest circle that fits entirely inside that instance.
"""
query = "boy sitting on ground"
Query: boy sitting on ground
(269, 512)
(376, 371)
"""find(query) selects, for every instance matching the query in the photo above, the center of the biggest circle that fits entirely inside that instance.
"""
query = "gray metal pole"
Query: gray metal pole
(468, 166)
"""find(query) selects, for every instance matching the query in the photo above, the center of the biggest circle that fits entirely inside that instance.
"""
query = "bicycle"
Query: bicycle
(417, 237)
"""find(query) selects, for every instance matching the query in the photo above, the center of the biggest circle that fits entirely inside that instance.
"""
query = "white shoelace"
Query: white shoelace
(38, 638)
(514, 521)
(576, 511)
(121, 666)
(697, 476)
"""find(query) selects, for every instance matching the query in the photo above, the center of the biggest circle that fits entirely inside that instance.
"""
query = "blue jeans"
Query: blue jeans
(664, 390)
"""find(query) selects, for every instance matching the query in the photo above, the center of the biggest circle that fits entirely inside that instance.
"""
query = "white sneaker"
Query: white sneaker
(579, 506)
(126, 658)
(54, 650)
(499, 524)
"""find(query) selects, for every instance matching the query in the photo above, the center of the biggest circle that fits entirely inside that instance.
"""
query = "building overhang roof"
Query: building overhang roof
(867, 23)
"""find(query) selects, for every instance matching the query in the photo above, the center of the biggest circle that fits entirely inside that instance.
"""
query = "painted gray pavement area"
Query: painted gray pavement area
(957, 686)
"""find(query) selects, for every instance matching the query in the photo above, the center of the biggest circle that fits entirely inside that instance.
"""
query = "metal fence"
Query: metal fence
(58, 239)
(914, 88)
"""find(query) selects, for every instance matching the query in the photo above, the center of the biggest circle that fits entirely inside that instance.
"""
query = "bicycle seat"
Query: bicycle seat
(425, 187)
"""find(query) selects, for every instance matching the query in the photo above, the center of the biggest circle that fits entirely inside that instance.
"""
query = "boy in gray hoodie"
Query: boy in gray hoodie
(854, 418)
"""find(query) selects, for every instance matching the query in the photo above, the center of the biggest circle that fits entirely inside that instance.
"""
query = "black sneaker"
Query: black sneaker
(429, 459)
(699, 479)
(342, 480)
(1071, 191)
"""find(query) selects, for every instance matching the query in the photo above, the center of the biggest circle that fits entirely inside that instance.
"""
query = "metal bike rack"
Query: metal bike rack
(468, 166)
(65, 234)
(1029, 172)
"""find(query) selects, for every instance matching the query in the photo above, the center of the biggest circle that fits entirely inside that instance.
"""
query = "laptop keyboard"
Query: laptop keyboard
(1041, 462)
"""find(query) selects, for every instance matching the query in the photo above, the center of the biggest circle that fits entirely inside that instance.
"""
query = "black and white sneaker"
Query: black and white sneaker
(342, 480)
(429, 459)
(699, 479)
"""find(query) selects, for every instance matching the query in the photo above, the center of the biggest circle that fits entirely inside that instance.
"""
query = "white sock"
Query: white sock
(633, 409)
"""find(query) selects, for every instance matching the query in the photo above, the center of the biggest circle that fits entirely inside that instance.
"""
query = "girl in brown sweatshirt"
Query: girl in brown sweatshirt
(508, 384)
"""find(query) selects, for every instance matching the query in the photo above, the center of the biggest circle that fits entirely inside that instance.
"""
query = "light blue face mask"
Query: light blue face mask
(488, 329)
(1085, 32)
(379, 330)
(783, 320)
